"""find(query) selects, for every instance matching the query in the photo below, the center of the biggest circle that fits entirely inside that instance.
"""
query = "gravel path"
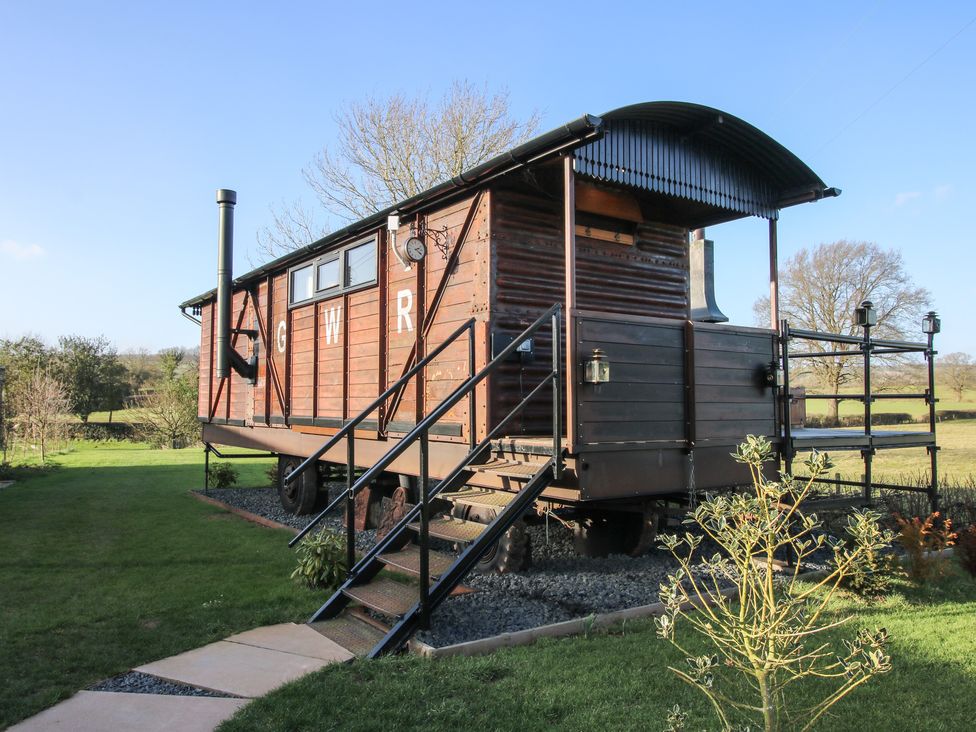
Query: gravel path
(135, 682)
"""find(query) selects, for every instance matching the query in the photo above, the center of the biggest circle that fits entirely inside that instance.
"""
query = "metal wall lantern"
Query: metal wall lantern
(596, 369)
(931, 323)
(865, 315)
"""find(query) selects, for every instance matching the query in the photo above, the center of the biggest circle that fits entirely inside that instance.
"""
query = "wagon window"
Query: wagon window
(301, 284)
(361, 264)
(328, 275)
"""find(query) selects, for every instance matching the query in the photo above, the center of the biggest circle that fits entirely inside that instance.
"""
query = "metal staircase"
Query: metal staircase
(371, 613)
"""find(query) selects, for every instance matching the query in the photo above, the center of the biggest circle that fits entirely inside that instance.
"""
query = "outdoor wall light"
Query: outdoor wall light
(865, 315)
(931, 323)
(596, 369)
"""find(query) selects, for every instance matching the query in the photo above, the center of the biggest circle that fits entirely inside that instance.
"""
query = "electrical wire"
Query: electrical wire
(898, 83)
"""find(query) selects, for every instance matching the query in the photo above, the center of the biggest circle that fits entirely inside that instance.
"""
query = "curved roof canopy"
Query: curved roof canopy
(700, 154)
(675, 149)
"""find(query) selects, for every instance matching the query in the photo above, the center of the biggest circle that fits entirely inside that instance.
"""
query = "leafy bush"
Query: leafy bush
(870, 573)
(272, 475)
(923, 541)
(966, 549)
(222, 475)
(321, 560)
(769, 628)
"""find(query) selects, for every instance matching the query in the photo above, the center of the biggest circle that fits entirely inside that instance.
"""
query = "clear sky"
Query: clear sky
(119, 120)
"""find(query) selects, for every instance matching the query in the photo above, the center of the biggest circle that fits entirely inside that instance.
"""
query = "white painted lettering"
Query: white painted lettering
(332, 318)
(404, 305)
(281, 336)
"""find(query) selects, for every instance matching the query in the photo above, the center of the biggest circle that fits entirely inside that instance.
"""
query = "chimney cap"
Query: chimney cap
(226, 195)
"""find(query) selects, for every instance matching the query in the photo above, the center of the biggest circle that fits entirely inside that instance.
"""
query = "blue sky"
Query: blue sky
(119, 120)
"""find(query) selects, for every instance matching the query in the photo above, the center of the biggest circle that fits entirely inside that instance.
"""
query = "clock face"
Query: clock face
(415, 249)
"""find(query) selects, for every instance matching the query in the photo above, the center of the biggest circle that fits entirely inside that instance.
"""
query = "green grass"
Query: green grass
(957, 458)
(107, 562)
(915, 407)
(619, 680)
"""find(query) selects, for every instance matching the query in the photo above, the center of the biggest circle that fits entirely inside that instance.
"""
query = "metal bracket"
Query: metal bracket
(440, 237)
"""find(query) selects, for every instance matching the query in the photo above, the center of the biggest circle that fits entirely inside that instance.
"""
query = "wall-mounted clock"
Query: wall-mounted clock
(414, 249)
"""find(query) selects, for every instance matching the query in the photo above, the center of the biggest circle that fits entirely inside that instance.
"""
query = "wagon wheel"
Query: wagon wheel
(299, 496)
(394, 509)
(511, 553)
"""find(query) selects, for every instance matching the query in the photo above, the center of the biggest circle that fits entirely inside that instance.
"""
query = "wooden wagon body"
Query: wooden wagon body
(602, 216)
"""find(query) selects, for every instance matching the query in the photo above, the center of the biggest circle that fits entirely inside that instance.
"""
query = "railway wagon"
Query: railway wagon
(540, 331)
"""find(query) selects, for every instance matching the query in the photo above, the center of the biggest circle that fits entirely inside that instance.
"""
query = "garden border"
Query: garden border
(265, 522)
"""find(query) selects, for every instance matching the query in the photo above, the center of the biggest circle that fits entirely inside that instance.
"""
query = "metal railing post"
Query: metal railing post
(933, 449)
(472, 423)
(206, 468)
(867, 454)
(350, 501)
(787, 450)
(424, 530)
(557, 399)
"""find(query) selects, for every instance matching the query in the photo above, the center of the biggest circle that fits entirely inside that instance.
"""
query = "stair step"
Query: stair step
(508, 469)
(453, 529)
(408, 560)
(353, 634)
(385, 596)
(479, 497)
(524, 445)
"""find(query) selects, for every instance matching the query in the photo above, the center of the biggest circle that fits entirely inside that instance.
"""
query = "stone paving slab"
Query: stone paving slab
(293, 638)
(234, 668)
(106, 711)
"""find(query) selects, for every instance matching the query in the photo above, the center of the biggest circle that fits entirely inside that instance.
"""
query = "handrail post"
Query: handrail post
(557, 400)
(472, 423)
(424, 531)
(868, 452)
(933, 449)
(787, 451)
(350, 502)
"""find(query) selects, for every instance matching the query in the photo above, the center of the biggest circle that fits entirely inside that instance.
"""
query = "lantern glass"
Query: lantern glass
(596, 369)
(931, 323)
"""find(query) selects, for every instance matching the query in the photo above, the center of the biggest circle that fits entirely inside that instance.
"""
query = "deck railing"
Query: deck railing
(866, 347)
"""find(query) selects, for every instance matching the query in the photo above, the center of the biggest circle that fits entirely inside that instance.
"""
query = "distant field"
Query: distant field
(957, 458)
(915, 407)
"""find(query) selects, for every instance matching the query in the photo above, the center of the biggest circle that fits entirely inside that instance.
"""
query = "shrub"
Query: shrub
(870, 573)
(272, 475)
(222, 475)
(321, 560)
(966, 549)
(780, 612)
(923, 541)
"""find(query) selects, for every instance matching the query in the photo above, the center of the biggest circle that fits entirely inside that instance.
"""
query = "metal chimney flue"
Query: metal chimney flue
(702, 269)
(226, 200)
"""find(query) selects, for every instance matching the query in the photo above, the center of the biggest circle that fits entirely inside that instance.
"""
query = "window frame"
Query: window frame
(339, 255)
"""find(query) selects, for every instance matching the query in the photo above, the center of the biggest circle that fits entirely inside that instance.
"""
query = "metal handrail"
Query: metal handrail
(421, 432)
(350, 426)
(553, 315)
(866, 347)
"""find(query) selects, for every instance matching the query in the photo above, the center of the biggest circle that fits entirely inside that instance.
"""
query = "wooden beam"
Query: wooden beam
(569, 255)
(773, 277)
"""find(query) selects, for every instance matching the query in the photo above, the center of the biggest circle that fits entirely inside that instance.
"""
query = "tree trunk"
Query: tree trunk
(832, 410)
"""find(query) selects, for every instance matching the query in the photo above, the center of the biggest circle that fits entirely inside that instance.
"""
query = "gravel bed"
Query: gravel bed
(560, 585)
(264, 502)
(135, 682)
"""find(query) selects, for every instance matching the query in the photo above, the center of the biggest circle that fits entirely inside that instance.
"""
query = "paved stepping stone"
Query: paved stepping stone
(253, 663)
(100, 711)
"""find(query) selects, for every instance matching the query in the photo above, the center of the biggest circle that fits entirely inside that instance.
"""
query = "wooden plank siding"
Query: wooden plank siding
(649, 278)
(332, 365)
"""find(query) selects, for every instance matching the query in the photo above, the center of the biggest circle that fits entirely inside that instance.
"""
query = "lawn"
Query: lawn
(107, 562)
(619, 680)
(957, 456)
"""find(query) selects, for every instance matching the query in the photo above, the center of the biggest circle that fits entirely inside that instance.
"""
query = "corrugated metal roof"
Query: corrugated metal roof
(674, 148)
(700, 154)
